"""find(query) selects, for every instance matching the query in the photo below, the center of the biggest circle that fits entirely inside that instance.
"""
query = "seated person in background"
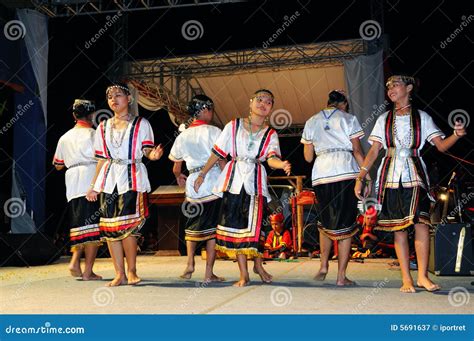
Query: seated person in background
(278, 243)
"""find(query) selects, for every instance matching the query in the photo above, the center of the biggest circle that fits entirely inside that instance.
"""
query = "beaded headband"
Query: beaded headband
(197, 105)
(407, 80)
(117, 86)
(265, 91)
(83, 106)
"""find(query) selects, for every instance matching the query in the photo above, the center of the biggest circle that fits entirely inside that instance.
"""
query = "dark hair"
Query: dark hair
(407, 80)
(121, 86)
(198, 103)
(336, 97)
(82, 108)
(264, 90)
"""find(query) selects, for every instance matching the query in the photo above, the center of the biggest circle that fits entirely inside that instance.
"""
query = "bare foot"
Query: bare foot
(118, 280)
(133, 278)
(321, 275)
(346, 282)
(214, 278)
(407, 287)
(427, 284)
(75, 271)
(264, 276)
(188, 273)
(242, 283)
(91, 277)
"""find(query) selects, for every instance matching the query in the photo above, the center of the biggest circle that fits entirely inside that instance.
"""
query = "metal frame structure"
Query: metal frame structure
(232, 62)
(179, 75)
(70, 8)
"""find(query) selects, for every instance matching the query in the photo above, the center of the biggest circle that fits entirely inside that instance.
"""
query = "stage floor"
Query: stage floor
(50, 290)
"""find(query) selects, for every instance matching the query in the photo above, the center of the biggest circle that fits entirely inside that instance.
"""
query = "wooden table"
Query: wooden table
(170, 220)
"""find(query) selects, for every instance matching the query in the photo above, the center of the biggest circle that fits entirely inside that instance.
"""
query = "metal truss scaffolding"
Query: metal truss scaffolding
(178, 75)
(70, 8)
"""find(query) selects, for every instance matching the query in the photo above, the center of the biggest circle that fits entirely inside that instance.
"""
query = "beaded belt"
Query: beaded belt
(85, 163)
(198, 169)
(246, 159)
(402, 152)
(125, 161)
(333, 150)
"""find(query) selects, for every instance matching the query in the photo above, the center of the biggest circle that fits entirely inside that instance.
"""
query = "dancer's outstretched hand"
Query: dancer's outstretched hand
(287, 167)
(156, 153)
(460, 129)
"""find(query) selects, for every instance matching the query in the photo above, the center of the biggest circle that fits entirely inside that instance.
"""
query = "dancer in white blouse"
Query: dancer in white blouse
(122, 179)
(193, 146)
(334, 135)
(402, 182)
(243, 183)
(75, 151)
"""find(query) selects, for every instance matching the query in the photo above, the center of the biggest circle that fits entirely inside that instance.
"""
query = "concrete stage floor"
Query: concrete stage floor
(51, 290)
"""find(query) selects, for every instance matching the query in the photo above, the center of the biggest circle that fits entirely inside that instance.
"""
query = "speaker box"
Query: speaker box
(451, 250)
(27, 249)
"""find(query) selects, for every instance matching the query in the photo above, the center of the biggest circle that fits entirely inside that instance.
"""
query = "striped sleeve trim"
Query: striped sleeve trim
(173, 158)
(272, 155)
(219, 152)
(435, 134)
(99, 154)
(57, 161)
(358, 134)
(375, 138)
(148, 144)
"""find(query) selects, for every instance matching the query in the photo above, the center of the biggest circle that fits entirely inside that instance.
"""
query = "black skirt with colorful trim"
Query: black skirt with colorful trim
(337, 208)
(402, 208)
(123, 215)
(240, 224)
(84, 219)
(202, 220)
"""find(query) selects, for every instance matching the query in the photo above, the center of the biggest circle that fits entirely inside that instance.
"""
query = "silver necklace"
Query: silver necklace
(252, 135)
(117, 141)
(405, 142)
